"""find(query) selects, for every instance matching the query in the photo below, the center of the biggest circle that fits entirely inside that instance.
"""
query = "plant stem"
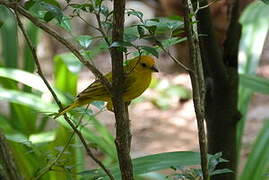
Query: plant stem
(198, 83)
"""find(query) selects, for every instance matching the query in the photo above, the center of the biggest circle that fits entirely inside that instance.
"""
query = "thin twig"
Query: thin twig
(100, 27)
(33, 50)
(183, 66)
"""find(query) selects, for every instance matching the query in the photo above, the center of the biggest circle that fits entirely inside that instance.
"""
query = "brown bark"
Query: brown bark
(123, 134)
(222, 85)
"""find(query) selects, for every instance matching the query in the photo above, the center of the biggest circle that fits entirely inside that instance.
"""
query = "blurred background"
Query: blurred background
(162, 119)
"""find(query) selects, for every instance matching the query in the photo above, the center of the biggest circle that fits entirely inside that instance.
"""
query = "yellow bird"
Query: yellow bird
(138, 77)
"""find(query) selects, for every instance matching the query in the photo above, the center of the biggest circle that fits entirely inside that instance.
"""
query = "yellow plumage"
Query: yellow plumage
(138, 77)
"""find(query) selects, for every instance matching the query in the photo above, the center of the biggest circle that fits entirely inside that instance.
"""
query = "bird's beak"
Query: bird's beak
(154, 69)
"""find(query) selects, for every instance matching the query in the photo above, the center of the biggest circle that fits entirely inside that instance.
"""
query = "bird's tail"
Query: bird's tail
(66, 109)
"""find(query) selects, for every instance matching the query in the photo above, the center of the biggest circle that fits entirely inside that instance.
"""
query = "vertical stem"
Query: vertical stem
(197, 79)
(123, 134)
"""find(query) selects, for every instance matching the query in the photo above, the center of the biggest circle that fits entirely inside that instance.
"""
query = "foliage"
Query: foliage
(39, 143)
(37, 140)
(250, 52)
(196, 173)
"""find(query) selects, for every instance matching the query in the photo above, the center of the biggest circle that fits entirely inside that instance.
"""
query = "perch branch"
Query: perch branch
(123, 134)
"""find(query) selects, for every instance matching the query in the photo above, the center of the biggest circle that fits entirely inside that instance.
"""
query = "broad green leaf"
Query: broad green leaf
(28, 61)
(6, 127)
(104, 10)
(150, 50)
(9, 41)
(172, 41)
(152, 163)
(84, 41)
(29, 4)
(265, 1)
(53, 11)
(255, 83)
(27, 99)
(257, 166)
(65, 23)
(19, 138)
(24, 77)
(130, 34)
(121, 44)
(254, 32)
(138, 14)
(43, 137)
(67, 67)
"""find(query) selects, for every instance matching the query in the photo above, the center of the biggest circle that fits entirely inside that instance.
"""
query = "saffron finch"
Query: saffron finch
(138, 73)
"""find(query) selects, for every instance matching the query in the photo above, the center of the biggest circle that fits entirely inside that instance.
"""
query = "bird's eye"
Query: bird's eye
(143, 64)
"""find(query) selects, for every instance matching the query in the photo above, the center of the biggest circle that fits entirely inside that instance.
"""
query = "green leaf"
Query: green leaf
(265, 1)
(65, 23)
(172, 41)
(24, 77)
(9, 41)
(43, 137)
(28, 61)
(257, 166)
(27, 99)
(84, 41)
(221, 171)
(1, 23)
(141, 31)
(53, 11)
(255, 83)
(255, 27)
(104, 10)
(71, 62)
(138, 14)
(29, 4)
(19, 138)
(84, 7)
(67, 67)
(121, 44)
(150, 50)
(152, 163)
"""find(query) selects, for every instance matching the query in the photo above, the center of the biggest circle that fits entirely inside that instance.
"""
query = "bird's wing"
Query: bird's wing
(129, 82)
(95, 91)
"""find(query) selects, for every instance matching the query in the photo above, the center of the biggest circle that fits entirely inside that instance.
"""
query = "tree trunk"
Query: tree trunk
(220, 69)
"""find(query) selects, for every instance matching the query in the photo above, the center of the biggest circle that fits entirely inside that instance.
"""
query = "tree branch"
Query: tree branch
(39, 71)
(197, 80)
(123, 134)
